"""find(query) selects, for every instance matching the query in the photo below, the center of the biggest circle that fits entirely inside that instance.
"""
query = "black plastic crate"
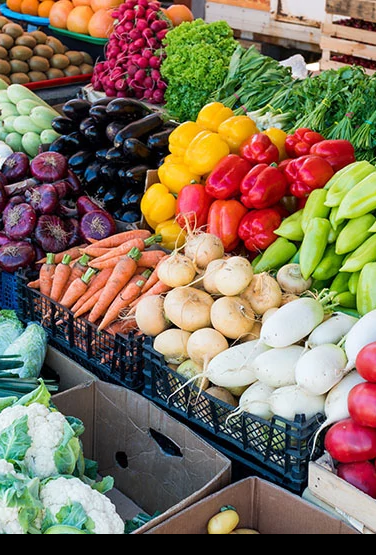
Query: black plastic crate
(115, 359)
(278, 449)
(8, 291)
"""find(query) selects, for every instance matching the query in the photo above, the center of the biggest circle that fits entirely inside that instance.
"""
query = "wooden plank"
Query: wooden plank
(325, 484)
(330, 64)
(360, 9)
(343, 32)
(350, 48)
(251, 4)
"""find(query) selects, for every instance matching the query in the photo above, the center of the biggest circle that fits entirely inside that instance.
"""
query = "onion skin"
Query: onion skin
(97, 224)
(16, 255)
(3, 197)
(74, 235)
(49, 166)
(51, 235)
(19, 221)
(4, 240)
(43, 199)
(16, 167)
(85, 204)
(74, 182)
(62, 188)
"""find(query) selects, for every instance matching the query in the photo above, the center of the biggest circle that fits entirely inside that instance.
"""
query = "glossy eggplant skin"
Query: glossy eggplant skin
(159, 140)
(109, 174)
(101, 154)
(139, 128)
(59, 145)
(135, 150)
(99, 114)
(115, 156)
(92, 177)
(128, 216)
(76, 109)
(85, 123)
(125, 106)
(63, 125)
(135, 177)
(131, 198)
(79, 161)
(113, 129)
(111, 199)
(103, 101)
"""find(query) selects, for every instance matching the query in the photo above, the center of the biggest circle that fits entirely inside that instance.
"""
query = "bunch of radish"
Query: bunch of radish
(134, 53)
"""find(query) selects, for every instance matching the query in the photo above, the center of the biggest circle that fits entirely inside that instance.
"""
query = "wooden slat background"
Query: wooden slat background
(360, 9)
(252, 4)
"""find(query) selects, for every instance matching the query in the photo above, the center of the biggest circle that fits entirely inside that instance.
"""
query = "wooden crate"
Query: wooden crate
(351, 504)
(342, 40)
(263, 5)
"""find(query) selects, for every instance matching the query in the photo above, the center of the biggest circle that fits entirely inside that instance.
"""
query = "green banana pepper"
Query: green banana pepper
(353, 282)
(333, 218)
(366, 293)
(346, 299)
(348, 311)
(275, 256)
(296, 258)
(334, 233)
(291, 227)
(256, 260)
(361, 256)
(318, 285)
(359, 201)
(340, 284)
(315, 207)
(329, 265)
(314, 244)
(343, 181)
(354, 234)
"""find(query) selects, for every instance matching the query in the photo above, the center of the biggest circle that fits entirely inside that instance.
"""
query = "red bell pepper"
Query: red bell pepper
(263, 187)
(339, 153)
(300, 143)
(223, 221)
(192, 206)
(259, 149)
(257, 228)
(224, 181)
(308, 173)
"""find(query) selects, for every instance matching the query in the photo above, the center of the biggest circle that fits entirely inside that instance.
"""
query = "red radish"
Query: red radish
(347, 442)
(16, 255)
(97, 224)
(362, 404)
(361, 475)
(16, 167)
(19, 221)
(51, 235)
(49, 166)
(366, 362)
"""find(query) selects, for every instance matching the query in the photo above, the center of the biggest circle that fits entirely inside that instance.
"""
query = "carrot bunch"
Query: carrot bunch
(106, 279)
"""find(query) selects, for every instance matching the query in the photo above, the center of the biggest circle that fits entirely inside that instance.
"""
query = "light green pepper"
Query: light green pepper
(343, 181)
(330, 264)
(353, 282)
(366, 293)
(359, 201)
(314, 245)
(315, 207)
(291, 227)
(361, 256)
(354, 234)
(340, 284)
(346, 299)
(275, 256)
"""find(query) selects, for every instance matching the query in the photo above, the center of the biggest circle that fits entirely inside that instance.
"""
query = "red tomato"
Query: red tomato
(347, 442)
(362, 404)
(366, 362)
(361, 475)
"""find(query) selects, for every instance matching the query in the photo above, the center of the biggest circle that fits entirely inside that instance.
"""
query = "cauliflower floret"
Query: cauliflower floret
(64, 491)
(46, 430)
(9, 523)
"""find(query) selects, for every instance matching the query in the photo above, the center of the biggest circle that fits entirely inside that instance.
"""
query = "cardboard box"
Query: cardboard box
(262, 506)
(158, 464)
(70, 373)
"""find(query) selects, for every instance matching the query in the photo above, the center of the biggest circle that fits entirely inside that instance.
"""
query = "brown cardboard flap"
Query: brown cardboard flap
(71, 374)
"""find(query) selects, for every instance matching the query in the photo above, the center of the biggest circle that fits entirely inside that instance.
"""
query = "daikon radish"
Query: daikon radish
(321, 368)
(288, 402)
(276, 367)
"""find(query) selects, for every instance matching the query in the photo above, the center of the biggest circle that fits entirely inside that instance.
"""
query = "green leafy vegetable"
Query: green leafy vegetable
(71, 519)
(15, 440)
(69, 451)
(31, 345)
(138, 521)
(10, 329)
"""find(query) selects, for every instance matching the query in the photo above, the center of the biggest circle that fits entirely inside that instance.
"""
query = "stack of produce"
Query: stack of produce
(92, 18)
(27, 57)
(110, 146)
(46, 484)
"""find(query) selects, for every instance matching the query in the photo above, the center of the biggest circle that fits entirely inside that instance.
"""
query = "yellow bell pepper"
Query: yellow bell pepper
(175, 176)
(236, 130)
(180, 138)
(212, 115)
(157, 205)
(205, 151)
(173, 236)
(278, 138)
(172, 159)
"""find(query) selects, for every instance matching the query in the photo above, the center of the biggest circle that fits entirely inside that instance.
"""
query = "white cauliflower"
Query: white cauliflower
(9, 523)
(46, 430)
(62, 492)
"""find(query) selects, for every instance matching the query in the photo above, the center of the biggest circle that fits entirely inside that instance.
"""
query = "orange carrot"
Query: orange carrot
(98, 282)
(153, 279)
(61, 276)
(111, 263)
(94, 251)
(77, 288)
(46, 275)
(127, 295)
(124, 248)
(123, 272)
(34, 284)
(150, 259)
(158, 289)
(74, 252)
(119, 238)
(122, 326)
(78, 270)
(88, 304)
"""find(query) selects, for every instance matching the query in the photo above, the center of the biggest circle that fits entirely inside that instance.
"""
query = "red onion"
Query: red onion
(16, 255)
(3, 197)
(19, 221)
(62, 189)
(74, 182)
(20, 187)
(4, 240)
(18, 199)
(49, 166)
(65, 211)
(51, 235)
(16, 167)
(72, 227)
(39, 255)
(97, 224)
(86, 204)
(43, 199)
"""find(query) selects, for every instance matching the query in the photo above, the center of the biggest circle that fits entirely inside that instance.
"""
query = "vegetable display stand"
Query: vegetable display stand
(78, 41)
(279, 449)
(350, 503)
(342, 42)
(114, 359)
(30, 22)
(8, 291)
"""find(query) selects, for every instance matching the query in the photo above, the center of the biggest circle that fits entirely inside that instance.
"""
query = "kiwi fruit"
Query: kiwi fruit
(87, 58)
(37, 76)
(43, 50)
(3, 53)
(5, 68)
(6, 41)
(26, 40)
(56, 45)
(20, 53)
(39, 36)
(72, 71)
(19, 78)
(19, 66)
(6, 79)
(3, 21)
(86, 68)
(76, 58)
(37, 63)
(59, 61)
(54, 73)
(13, 29)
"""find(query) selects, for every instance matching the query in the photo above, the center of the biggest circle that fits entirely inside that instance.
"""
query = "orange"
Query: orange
(59, 13)
(105, 4)
(179, 13)
(14, 5)
(78, 20)
(29, 7)
(81, 3)
(45, 8)
(101, 24)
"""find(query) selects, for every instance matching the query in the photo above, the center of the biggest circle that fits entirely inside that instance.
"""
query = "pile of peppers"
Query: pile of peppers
(226, 177)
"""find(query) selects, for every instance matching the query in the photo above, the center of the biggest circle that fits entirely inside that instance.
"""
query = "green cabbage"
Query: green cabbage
(31, 346)
(10, 329)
